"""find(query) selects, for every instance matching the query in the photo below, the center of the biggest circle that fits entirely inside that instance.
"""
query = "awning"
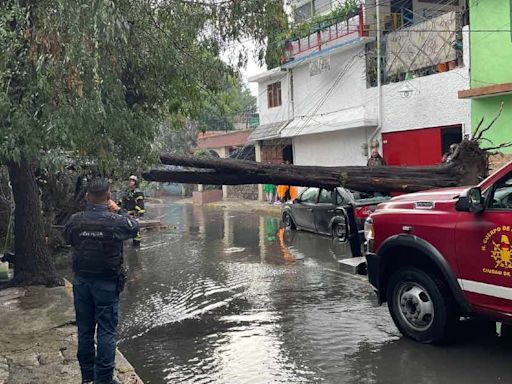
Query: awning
(328, 122)
(267, 131)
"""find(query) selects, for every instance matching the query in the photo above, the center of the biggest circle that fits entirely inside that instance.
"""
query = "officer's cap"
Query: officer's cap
(134, 178)
(98, 185)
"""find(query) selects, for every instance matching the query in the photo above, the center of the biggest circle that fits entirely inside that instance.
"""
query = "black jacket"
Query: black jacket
(133, 202)
(96, 237)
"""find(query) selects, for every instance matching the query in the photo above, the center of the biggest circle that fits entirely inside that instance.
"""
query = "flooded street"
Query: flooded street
(228, 297)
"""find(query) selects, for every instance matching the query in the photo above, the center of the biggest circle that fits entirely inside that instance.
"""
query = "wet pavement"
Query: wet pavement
(229, 297)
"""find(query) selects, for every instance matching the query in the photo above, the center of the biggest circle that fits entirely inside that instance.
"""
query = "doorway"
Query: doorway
(288, 154)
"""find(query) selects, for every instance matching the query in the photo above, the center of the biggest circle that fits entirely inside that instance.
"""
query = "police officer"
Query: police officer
(133, 202)
(96, 236)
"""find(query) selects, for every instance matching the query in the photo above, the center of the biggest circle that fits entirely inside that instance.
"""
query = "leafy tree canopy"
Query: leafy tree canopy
(94, 78)
(233, 101)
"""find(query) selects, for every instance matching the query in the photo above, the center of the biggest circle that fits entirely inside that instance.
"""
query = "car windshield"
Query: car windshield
(359, 197)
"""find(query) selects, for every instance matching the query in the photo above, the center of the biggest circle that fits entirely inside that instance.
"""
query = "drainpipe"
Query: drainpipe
(379, 77)
(290, 97)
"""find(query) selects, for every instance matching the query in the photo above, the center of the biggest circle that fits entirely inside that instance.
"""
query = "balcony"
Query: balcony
(323, 36)
(409, 50)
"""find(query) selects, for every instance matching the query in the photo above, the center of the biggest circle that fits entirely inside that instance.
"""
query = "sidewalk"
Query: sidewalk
(240, 205)
(38, 338)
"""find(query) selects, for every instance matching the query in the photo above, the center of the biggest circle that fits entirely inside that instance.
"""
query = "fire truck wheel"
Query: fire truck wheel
(421, 306)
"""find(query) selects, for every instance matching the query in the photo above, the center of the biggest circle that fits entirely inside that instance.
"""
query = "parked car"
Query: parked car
(325, 211)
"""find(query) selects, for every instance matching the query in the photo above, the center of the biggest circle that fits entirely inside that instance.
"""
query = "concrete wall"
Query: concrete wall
(491, 63)
(282, 113)
(331, 149)
(310, 91)
(343, 87)
(246, 192)
(433, 103)
(491, 52)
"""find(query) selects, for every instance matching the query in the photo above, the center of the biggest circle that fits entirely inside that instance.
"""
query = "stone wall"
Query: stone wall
(499, 160)
(246, 192)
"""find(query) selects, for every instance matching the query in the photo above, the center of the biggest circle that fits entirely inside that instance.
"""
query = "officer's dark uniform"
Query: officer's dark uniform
(133, 202)
(96, 237)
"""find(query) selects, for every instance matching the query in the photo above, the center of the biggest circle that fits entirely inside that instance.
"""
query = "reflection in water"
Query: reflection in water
(230, 297)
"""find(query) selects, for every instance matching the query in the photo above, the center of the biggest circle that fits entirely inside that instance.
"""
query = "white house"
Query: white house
(327, 103)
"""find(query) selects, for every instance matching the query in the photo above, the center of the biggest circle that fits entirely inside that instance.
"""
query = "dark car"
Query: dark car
(325, 211)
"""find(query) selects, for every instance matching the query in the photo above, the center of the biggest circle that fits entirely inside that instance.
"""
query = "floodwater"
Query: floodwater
(228, 297)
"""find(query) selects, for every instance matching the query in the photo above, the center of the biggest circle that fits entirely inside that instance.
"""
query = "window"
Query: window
(502, 194)
(343, 196)
(326, 196)
(274, 94)
(310, 195)
(340, 200)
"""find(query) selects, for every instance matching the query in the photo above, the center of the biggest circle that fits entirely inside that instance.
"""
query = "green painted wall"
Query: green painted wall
(491, 63)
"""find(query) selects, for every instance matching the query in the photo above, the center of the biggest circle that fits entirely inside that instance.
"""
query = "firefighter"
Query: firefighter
(133, 203)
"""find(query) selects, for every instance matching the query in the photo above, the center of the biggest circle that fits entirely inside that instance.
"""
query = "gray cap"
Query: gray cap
(98, 185)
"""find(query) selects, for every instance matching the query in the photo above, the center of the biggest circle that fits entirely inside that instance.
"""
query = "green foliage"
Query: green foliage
(202, 153)
(277, 24)
(94, 79)
(341, 13)
(233, 101)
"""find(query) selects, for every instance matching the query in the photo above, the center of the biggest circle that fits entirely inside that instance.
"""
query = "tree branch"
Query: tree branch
(492, 122)
(504, 145)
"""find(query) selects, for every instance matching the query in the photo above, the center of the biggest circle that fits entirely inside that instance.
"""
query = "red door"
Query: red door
(483, 248)
(419, 146)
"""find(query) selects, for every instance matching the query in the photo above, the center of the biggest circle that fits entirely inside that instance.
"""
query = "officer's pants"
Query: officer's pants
(96, 305)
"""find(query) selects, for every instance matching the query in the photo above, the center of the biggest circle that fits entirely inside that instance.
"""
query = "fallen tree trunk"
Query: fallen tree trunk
(468, 166)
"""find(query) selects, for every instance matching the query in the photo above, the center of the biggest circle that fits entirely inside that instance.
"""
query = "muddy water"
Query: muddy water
(228, 297)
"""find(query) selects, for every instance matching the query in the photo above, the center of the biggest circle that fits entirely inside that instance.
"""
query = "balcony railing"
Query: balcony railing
(324, 36)
(431, 46)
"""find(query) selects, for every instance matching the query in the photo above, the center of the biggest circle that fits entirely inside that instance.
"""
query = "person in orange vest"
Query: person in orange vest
(282, 191)
(286, 193)
(293, 192)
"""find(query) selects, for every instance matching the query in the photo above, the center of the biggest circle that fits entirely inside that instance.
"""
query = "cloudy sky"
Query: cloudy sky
(253, 67)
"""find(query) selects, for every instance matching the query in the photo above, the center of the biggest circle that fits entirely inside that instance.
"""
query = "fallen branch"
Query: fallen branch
(467, 165)
(480, 134)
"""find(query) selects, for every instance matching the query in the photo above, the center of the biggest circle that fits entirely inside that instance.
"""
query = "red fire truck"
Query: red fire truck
(438, 255)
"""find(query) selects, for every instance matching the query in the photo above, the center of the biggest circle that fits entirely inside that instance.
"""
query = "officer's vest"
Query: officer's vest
(97, 251)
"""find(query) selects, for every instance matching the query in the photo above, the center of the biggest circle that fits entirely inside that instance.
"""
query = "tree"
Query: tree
(468, 167)
(92, 80)
(233, 101)
(277, 27)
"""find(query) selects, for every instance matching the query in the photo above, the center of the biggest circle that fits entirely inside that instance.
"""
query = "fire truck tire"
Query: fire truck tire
(421, 306)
